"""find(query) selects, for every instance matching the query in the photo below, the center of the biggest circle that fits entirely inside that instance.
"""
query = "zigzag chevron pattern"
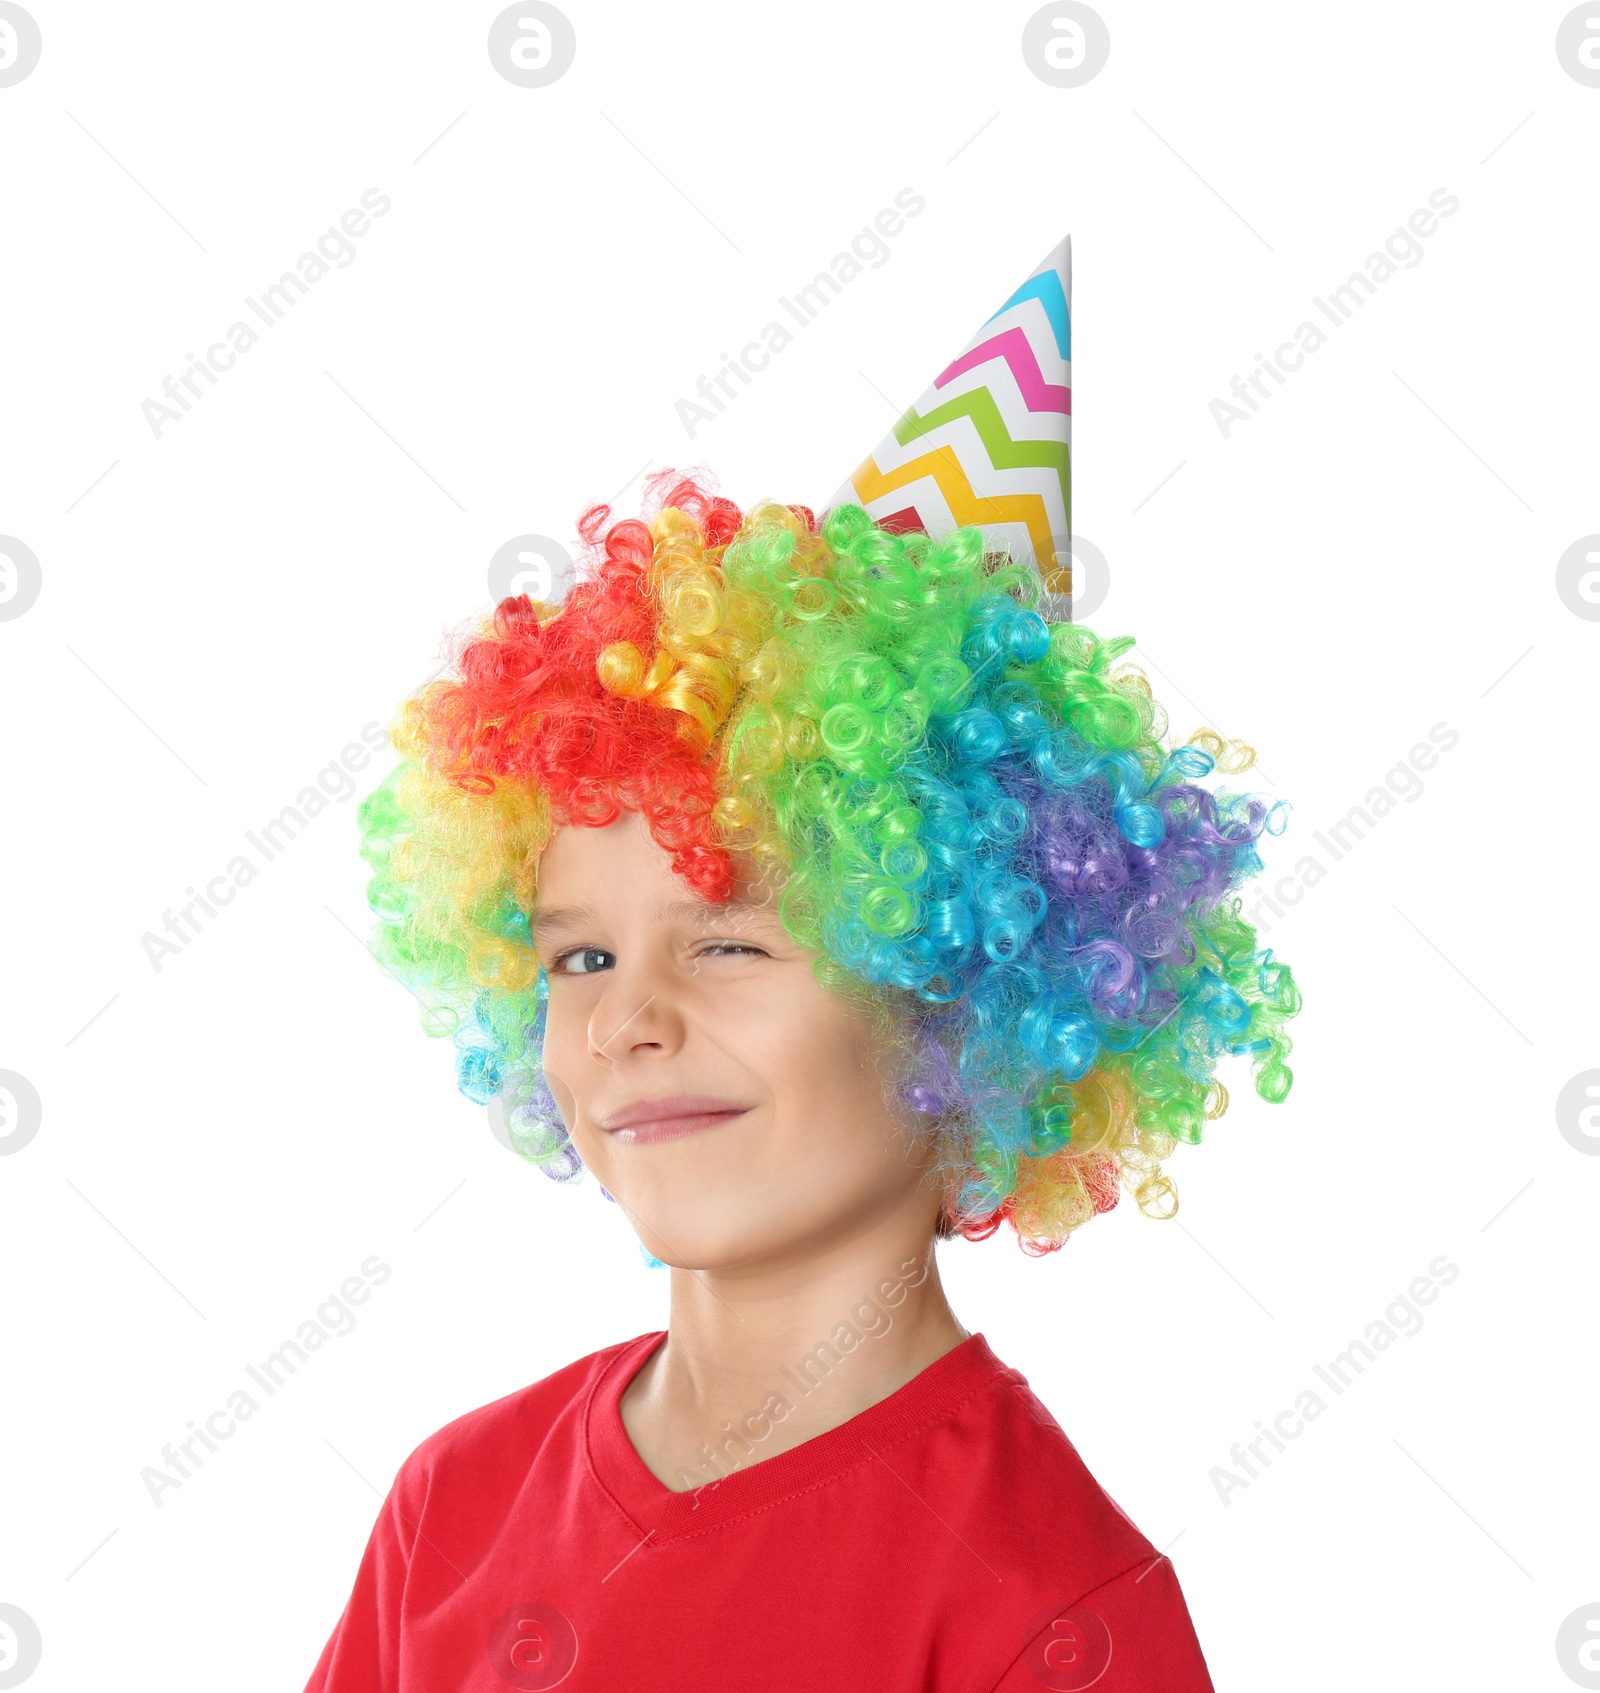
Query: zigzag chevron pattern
(990, 442)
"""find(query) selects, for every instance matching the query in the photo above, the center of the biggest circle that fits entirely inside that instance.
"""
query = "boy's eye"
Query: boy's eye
(584, 968)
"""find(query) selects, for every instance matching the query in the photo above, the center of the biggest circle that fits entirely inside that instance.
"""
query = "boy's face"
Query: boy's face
(654, 995)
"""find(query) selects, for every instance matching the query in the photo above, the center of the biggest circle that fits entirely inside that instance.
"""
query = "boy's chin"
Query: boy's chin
(708, 1247)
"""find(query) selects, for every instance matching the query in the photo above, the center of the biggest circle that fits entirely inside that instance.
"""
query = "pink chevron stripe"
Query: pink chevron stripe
(1012, 346)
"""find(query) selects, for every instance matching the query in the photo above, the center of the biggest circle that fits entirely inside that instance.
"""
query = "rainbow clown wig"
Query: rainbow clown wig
(967, 810)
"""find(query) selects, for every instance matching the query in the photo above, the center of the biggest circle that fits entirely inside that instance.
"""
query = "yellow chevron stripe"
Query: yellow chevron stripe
(966, 506)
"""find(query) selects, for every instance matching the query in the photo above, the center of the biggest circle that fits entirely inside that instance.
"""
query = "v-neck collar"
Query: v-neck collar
(664, 1514)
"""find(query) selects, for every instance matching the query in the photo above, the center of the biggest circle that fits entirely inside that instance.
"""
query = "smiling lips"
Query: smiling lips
(668, 1119)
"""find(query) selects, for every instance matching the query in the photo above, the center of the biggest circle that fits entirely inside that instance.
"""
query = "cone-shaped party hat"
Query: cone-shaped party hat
(990, 442)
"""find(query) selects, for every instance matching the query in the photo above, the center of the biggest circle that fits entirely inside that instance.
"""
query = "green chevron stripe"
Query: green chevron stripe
(1004, 452)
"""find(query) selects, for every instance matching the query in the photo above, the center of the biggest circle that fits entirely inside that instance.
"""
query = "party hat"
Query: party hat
(990, 442)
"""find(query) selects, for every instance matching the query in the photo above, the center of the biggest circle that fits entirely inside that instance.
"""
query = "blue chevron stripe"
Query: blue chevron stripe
(1047, 290)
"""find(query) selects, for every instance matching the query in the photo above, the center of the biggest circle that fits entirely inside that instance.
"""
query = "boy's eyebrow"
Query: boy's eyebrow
(544, 922)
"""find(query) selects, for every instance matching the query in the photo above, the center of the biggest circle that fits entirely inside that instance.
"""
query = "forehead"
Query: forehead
(589, 875)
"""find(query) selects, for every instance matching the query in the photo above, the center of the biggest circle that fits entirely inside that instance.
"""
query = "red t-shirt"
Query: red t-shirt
(946, 1540)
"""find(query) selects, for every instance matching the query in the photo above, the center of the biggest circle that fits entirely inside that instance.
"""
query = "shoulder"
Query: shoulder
(505, 1438)
(1064, 1528)
(1087, 1587)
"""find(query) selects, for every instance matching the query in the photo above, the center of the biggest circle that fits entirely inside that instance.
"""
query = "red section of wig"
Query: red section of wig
(529, 705)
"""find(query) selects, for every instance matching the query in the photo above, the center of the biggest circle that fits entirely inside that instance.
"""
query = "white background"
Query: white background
(223, 607)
